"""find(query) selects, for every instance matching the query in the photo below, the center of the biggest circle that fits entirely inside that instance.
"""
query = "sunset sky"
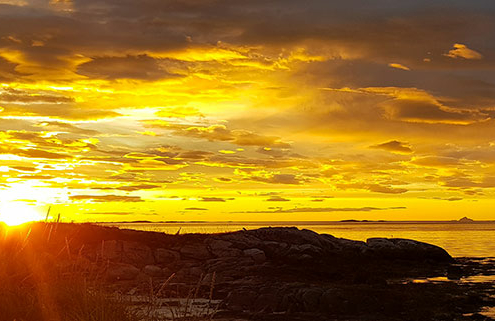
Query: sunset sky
(247, 110)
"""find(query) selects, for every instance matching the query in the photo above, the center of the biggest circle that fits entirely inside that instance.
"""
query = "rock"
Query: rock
(195, 251)
(111, 250)
(137, 253)
(153, 270)
(242, 240)
(275, 249)
(164, 256)
(256, 254)
(126, 252)
(267, 302)
(407, 250)
(291, 235)
(311, 299)
(195, 271)
(241, 298)
(221, 248)
(121, 271)
(305, 249)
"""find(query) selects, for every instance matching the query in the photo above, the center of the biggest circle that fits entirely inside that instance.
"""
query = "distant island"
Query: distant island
(465, 220)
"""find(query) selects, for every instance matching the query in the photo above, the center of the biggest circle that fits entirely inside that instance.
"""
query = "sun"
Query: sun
(16, 213)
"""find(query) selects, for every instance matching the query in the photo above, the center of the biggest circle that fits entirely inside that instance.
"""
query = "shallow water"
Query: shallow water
(460, 240)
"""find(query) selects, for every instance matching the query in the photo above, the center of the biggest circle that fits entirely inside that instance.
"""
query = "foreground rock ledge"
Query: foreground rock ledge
(269, 273)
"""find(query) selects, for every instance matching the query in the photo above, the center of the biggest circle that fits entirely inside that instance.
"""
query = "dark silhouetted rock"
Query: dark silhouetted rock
(153, 270)
(121, 271)
(164, 256)
(406, 249)
(221, 248)
(196, 251)
(256, 254)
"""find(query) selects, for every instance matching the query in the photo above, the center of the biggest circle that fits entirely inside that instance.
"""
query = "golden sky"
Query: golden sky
(247, 110)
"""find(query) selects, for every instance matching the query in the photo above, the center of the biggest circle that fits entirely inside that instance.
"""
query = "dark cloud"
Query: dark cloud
(66, 127)
(37, 153)
(277, 198)
(394, 146)
(7, 70)
(221, 133)
(290, 179)
(141, 67)
(377, 188)
(214, 199)
(426, 111)
(57, 111)
(195, 209)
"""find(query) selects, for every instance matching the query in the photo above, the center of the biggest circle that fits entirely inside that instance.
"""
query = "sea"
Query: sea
(474, 239)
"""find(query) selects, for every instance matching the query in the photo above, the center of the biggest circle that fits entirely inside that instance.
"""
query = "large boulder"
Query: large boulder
(257, 255)
(406, 249)
(221, 248)
(166, 257)
(126, 252)
(121, 271)
(196, 251)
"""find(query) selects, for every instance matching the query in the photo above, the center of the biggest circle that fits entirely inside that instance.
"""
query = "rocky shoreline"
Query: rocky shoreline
(276, 273)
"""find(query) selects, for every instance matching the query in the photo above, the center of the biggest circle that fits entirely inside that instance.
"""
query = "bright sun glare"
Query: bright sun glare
(16, 213)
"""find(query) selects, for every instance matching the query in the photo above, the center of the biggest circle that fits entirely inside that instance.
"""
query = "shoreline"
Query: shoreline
(264, 273)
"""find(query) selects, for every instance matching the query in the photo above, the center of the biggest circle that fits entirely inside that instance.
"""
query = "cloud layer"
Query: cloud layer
(200, 109)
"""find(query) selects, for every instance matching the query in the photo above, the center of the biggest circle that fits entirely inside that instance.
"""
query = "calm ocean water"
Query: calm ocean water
(471, 239)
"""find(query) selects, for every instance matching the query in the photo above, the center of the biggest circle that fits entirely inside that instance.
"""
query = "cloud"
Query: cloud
(221, 133)
(195, 209)
(8, 70)
(326, 209)
(419, 110)
(10, 95)
(399, 66)
(37, 153)
(142, 67)
(106, 198)
(435, 161)
(277, 198)
(214, 199)
(109, 213)
(131, 188)
(461, 51)
(289, 179)
(377, 188)
(66, 127)
(394, 146)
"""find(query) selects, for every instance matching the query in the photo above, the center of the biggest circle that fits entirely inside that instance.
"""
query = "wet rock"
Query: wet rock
(256, 254)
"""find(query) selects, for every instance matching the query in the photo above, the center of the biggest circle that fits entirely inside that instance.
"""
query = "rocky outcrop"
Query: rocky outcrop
(237, 254)
(267, 270)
